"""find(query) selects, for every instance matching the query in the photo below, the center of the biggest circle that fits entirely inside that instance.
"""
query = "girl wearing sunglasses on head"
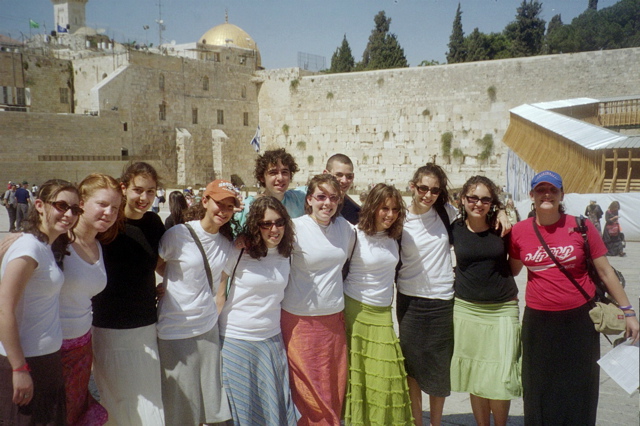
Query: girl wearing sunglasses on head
(312, 319)
(253, 354)
(31, 381)
(486, 354)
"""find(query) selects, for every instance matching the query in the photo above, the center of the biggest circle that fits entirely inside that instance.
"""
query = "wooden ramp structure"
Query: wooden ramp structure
(593, 143)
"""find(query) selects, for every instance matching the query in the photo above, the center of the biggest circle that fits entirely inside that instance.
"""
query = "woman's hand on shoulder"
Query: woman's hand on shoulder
(503, 223)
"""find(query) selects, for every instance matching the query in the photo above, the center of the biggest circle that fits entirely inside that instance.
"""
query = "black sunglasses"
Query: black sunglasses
(268, 225)
(423, 189)
(63, 207)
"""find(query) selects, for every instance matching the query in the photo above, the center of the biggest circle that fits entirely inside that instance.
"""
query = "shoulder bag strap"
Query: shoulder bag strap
(444, 217)
(207, 268)
(559, 265)
(233, 274)
(347, 264)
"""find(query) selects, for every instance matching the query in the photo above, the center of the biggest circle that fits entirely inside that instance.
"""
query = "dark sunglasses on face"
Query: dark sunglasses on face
(423, 189)
(472, 199)
(268, 225)
(62, 207)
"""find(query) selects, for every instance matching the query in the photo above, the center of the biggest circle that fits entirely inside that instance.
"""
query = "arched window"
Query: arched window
(205, 83)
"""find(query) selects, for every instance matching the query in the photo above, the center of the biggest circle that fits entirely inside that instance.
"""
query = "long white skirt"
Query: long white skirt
(126, 368)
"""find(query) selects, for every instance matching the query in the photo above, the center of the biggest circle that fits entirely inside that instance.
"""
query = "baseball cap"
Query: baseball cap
(547, 176)
(220, 189)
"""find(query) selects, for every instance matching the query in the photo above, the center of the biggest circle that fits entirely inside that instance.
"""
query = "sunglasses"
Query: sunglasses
(268, 225)
(63, 207)
(472, 199)
(322, 198)
(423, 189)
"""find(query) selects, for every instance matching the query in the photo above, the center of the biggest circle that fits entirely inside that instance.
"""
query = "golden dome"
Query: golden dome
(228, 35)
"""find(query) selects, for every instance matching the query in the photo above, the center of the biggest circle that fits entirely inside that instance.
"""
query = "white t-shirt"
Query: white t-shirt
(372, 269)
(426, 256)
(315, 283)
(188, 307)
(38, 310)
(252, 311)
(82, 281)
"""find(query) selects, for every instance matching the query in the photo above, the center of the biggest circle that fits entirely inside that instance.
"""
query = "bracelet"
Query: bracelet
(632, 314)
(627, 308)
(25, 367)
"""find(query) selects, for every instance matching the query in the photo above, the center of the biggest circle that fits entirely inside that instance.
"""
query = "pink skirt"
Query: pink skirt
(317, 352)
(82, 408)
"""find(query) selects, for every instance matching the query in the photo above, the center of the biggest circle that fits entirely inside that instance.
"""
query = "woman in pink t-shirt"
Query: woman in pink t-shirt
(560, 375)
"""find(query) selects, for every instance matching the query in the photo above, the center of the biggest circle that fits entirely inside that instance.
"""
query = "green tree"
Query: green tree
(593, 4)
(342, 59)
(527, 31)
(554, 31)
(483, 47)
(457, 48)
(383, 50)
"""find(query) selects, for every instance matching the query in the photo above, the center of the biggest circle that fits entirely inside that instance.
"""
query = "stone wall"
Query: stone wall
(391, 122)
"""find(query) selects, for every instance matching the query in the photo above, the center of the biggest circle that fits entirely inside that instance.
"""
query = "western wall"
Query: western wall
(390, 122)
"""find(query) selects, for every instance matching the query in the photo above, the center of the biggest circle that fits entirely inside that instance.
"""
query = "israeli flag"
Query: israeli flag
(62, 29)
(255, 142)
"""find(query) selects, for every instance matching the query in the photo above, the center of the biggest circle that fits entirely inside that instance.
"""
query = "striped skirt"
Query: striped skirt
(317, 353)
(486, 356)
(256, 378)
(82, 408)
(377, 390)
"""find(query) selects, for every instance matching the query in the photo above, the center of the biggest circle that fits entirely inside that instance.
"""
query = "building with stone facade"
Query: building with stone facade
(192, 109)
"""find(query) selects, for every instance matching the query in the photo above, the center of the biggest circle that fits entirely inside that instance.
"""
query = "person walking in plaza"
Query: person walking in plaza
(23, 201)
(312, 309)
(377, 388)
(594, 213)
(612, 235)
(254, 361)
(11, 204)
(31, 378)
(560, 374)
(486, 325)
(126, 363)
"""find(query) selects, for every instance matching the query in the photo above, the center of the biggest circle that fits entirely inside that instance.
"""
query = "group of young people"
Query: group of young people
(282, 313)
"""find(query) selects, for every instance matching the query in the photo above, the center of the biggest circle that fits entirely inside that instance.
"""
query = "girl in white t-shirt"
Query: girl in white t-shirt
(312, 317)
(253, 354)
(377, 390)
(84, 277)
(30, 332)
(188, 337)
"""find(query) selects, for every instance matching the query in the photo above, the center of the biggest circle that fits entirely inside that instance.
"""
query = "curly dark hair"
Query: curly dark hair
(496, 205)
(139, 169)
(372, 204)
(432, 169)
(270, 158)
(256, 246)
(324, 179)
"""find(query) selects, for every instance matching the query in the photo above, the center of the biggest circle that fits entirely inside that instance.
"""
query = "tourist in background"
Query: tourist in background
(560, 374)
(31, 381)
(594, 213)
(312, 317)
(512, 212)
(10, 203)
(377, 388)
(612, 235)
(177, 209)
(486, 325)
(126, 363)
(253, 354)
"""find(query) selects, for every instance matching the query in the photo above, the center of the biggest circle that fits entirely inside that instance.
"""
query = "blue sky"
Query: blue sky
(282, 28)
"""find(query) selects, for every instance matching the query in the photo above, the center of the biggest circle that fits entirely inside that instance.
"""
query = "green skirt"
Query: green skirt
(377, 390)
(487, 352)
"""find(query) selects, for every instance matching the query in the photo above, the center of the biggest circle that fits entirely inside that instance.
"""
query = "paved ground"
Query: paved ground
(616, 407)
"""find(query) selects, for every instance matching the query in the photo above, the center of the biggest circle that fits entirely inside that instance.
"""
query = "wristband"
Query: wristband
(632, 314)
(627, 308)
(25, 367)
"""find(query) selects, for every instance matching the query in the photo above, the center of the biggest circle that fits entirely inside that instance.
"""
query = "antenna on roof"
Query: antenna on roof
(226, 16)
